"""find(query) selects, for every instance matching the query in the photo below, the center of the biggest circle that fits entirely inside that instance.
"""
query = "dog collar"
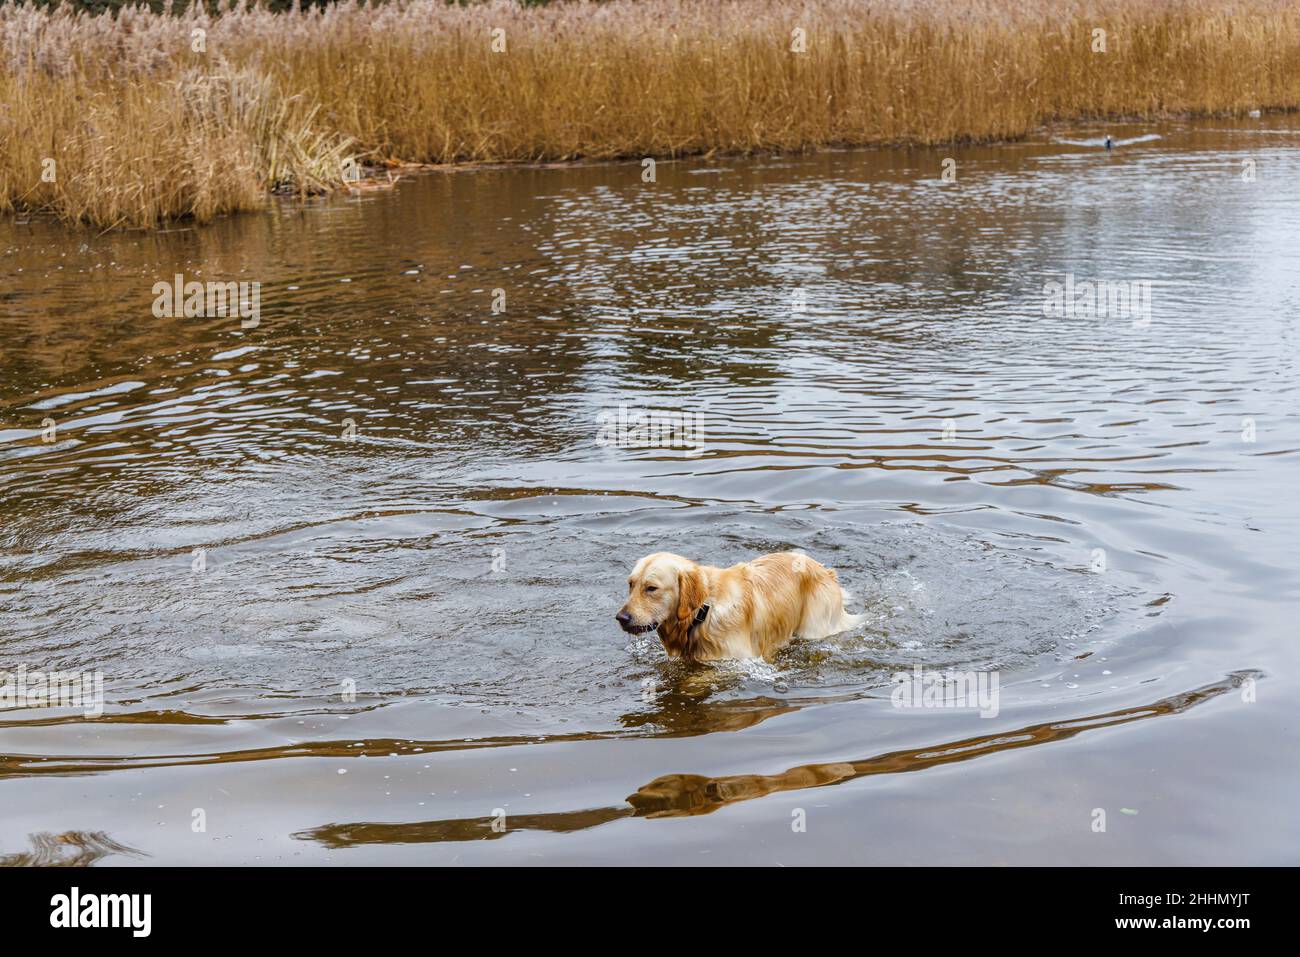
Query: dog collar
(700, 616)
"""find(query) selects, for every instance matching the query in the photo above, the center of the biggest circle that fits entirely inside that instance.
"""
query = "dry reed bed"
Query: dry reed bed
(143, 128)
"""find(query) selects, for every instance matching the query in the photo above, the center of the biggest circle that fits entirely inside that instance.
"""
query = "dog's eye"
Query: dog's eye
(651, 588)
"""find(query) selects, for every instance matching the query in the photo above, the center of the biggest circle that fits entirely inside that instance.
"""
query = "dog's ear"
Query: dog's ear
(690, 593)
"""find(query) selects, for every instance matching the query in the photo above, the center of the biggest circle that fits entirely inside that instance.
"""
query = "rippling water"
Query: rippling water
(390, 486)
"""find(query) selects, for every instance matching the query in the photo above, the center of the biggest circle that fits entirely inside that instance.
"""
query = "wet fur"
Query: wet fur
(756, 607)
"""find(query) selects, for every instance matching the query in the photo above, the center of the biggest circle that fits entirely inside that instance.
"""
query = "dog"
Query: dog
(750, 610)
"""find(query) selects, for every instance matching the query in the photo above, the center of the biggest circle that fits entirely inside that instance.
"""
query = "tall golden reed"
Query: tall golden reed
(143, 127)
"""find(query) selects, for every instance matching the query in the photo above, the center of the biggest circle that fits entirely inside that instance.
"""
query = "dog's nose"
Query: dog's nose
(622, 618)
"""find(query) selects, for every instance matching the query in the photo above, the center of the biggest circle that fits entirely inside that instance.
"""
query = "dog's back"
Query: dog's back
(794, 596)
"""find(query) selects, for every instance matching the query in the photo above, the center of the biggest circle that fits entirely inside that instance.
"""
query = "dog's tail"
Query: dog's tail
(847, 621)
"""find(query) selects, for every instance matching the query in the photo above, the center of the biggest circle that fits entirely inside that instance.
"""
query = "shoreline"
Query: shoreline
(390, 175)
(1063, 124)
(141, 119)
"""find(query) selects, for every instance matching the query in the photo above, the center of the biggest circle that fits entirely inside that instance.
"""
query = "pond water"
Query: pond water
(349, 573)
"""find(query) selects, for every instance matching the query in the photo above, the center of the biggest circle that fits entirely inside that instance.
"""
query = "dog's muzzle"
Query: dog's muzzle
(625, 622)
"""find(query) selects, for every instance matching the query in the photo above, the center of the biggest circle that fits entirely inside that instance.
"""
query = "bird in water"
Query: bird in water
(1110, 143)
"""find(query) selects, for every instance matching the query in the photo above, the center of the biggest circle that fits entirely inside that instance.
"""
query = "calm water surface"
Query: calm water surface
(388, 486)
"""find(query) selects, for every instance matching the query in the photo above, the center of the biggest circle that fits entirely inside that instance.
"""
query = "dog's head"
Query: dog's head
(663, 589)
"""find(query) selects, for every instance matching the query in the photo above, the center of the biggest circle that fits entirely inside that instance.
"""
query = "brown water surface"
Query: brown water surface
(1102, 512)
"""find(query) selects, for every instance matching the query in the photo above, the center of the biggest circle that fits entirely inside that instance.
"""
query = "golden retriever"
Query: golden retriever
(750, 610)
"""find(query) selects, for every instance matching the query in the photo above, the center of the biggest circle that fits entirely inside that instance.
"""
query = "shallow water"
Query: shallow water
(1100, 512)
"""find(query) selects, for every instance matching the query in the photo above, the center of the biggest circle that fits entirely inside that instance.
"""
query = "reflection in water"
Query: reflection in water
(676, 795)
(465, 829)
(676, 714)
(69, 849)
